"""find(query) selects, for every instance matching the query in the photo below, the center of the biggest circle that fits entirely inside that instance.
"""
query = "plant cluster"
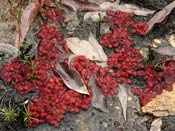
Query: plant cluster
(126, 62)
(9, 113)
(156, 82)
(55, 99)
(37, 75)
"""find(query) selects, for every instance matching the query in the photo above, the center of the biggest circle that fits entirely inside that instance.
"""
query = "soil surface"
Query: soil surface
(92, 119)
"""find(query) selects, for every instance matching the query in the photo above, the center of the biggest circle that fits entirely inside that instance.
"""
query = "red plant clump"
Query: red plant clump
(53, 15)
(125, 62)
(54, 98)
(156, 82)
(123, 29)
(121, 65)
(102, 75)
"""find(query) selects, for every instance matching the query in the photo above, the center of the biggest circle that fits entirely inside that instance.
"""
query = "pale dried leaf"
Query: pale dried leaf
(123, 97)
(28, 16)
(162, 105)
(71, 78)
(105, 28)
(98, 48)
(82, 47)
(165, 50)
(109, 5)
(102, 64)
(86, 48)
(70, 59)
(128, 8)
(161, 15)
(80, 6)
(97, 95)
(94, 16)
(156, 125)
(9, 49)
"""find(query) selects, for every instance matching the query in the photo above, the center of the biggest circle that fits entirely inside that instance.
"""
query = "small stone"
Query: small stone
(171, 40)
(162, 105)
(156, 42)
(144, 52)
(2, 87)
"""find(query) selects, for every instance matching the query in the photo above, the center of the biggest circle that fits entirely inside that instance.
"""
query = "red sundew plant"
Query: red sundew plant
(55, 99)
(156, 82)
(124, 63)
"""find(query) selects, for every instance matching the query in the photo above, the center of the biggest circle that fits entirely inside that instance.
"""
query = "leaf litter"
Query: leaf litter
(91, 48)
(28, 16)
(71, 78)
(161, 15)
(97, 53)
(165, 50)
(123, 98)
(97, 95)
(9, 49)
(127, 8)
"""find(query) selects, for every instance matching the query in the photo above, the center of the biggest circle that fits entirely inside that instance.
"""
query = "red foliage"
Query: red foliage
(156, 82)
(122, 30)
(102, 75)
(53, 15)
(127, 61)
(54, 98)
(124, 63)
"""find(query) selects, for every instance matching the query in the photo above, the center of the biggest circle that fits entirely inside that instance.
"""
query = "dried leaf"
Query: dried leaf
(80, 6)
(70, 59)
(82, 47)
(91, 49)
(94, 16)
(98, 48)
(160, 16)
(102, 64)
(97, 95)
(162, 105)
(9, 49)
(130, 8)
(71, 78)
(123, 97)
(127, 8)
(109, 5)
(156, 125)
(28, 16)
(165, 50)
